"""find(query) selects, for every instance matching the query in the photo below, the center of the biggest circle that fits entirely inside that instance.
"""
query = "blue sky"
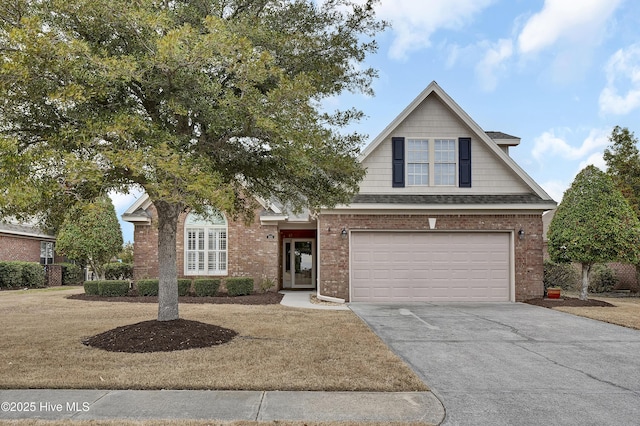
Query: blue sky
(559, 74)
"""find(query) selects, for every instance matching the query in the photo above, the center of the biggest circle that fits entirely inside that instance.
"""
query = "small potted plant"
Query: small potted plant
(553, 292)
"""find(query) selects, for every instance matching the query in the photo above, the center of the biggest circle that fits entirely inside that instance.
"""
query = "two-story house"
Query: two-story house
(443, 214)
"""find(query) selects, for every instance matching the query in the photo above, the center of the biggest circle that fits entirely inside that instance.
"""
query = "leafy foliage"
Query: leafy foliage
(71, 274)
(17, 274)
(118, 271)
(623, 165)
(109, 288)
(602, 279)
(562, 275)
(91, 232)
(207, 103)
(206, 286)
(593, 224)
(126, 254)
(239, 286)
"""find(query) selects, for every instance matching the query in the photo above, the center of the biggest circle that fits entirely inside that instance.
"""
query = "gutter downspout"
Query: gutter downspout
(318, 294)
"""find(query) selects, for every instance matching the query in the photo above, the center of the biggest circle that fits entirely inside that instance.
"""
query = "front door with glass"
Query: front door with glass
(298, 263)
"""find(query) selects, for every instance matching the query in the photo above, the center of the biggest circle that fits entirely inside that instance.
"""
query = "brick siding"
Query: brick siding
(334, 250)
(249, 254)
(19, 248)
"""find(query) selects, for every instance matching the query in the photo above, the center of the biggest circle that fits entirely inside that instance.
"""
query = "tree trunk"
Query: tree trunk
(586, 267)
(167, 272)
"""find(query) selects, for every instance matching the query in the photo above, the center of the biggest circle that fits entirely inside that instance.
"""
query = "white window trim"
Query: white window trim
(432, 161)
(206, 227)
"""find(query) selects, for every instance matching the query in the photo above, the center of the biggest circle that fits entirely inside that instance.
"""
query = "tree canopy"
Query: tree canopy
(199, 102)
(593, 224)
(623, 165)
(91, 234)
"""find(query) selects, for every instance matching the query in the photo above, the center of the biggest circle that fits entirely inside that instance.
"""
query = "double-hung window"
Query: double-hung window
(444, 168)
(418, 162)
(431, 162)
(205, 244)
(46, 252)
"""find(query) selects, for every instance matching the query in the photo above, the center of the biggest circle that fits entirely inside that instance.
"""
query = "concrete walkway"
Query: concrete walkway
(220, 405)
(141, 405)
(302, 299)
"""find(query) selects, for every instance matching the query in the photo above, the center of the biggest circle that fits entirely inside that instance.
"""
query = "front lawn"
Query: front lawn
(625, 311)
(277, 348)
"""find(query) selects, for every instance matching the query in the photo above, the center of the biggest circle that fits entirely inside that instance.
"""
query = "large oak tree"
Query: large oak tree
(198, 102)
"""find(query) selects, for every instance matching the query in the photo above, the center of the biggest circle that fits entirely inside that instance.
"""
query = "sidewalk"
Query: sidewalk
(220, 405)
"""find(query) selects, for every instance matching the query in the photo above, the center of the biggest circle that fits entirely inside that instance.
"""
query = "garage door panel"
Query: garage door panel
(430, 266)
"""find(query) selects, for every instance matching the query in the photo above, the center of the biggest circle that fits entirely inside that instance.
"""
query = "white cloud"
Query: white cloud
(548, 144)
(493, 63)
(623, 75)
(578, 23)
(555, 189)
(413, 22)
(595, 159)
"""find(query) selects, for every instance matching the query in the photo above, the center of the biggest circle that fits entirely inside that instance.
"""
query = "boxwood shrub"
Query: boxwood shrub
(113, 288)
(239, 286)
(71, 274)
(184, 285)
(14, 274)
(206, 286)
(118, 271)
(91, 288)
(147, 287)
(33, 275)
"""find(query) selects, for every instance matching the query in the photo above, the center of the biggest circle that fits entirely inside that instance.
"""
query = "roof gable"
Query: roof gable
(506, 165)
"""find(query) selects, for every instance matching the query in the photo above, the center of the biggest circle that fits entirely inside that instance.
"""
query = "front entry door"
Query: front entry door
(298, 263)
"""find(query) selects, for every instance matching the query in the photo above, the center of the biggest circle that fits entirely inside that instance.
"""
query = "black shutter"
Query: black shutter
(464, 162)
(397, 147)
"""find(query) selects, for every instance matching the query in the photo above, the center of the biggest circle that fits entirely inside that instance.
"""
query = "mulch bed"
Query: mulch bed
(167, 336)
(161, 336)
(268, 298)
(566, 301)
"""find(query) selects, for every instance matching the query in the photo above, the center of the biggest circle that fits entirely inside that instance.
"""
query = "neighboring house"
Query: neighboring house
(625, 272)
(443, 214)
(27, 243)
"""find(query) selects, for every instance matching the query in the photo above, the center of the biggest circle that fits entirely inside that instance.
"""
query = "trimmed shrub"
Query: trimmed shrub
(206, 286)
(15, 274)
(563, 275)
(239, 286)
(602, 279)
(33, 275)
(10, 274)
(118, 271)
(184, 285)
(91, 288)
(148, 287)
(113, 288)
(71, 274)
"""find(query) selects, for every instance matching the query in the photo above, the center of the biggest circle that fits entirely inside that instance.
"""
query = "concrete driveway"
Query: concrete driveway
(515, 364)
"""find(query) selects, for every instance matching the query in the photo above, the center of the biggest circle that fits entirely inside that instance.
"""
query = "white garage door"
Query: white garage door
(429, 267)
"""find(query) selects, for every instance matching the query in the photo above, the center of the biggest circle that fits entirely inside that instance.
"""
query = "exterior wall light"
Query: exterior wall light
(521, 234)
(343, 233)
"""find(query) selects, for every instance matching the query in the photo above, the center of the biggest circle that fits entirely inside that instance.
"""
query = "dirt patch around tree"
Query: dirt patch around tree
(567, 302)
(167, 336)
(161, 336)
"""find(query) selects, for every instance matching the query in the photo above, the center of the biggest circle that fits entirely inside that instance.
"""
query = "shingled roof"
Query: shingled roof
(442, 199)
